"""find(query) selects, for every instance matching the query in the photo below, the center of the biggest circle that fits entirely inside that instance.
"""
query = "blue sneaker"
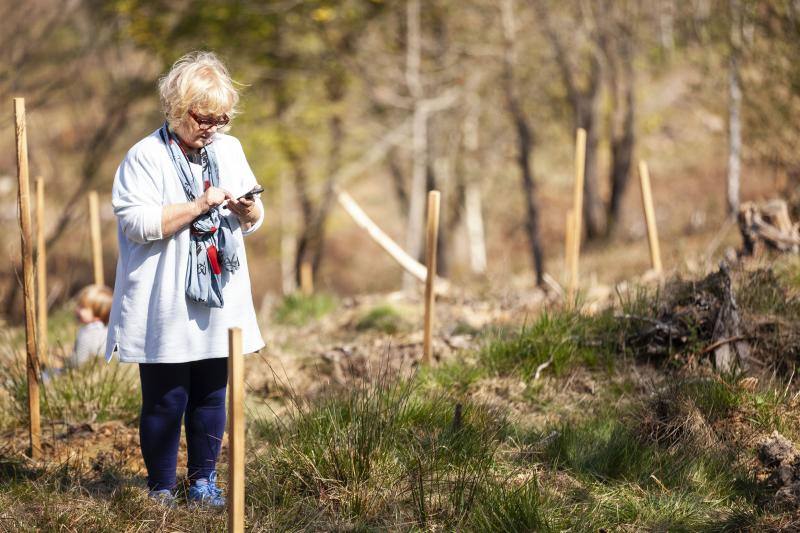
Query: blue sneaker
(204, 492)
(163, 497)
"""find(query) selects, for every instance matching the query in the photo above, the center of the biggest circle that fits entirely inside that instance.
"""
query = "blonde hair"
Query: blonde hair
(200, 82)
(98, 298)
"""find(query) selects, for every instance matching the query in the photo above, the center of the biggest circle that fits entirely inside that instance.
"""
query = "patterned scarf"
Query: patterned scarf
(213, 251)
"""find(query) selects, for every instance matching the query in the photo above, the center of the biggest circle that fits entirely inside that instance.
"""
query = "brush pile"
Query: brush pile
(697, 317)
(767, 227)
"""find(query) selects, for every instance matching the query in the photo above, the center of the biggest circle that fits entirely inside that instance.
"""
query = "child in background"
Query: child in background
(92, 310)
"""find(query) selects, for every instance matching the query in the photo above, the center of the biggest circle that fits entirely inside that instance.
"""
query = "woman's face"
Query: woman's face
(197, 130)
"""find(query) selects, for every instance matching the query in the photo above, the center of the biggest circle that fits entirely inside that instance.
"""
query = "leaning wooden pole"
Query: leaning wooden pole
(577, 207)
(650, 218)
(410, 264)
(34, 428)
(434, 198)
(236, 432)
(41, 275)
(97, 243)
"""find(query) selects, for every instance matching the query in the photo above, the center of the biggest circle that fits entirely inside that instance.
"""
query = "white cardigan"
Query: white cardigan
(151, 319)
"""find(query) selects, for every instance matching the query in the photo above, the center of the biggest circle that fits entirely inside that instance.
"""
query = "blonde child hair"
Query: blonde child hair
(98, 298)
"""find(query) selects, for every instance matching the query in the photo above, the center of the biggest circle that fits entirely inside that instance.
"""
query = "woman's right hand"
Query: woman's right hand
(212, 197)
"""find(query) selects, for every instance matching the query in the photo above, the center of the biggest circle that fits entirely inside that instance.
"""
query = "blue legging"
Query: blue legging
(172, 391)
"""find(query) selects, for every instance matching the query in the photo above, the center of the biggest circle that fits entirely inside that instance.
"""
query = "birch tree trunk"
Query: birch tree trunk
(473, 209)
(419, 144)
(734, 111)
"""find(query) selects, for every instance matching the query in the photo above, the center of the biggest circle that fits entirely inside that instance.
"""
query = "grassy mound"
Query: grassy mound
(578, 422)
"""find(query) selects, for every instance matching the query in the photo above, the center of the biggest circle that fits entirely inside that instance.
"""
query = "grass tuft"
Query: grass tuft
(383, 318)
(298, 309)
(375, 454)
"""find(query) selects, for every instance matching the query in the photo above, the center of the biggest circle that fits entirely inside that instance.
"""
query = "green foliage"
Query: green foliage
(375, 451)
(627, 481)
(763, 291)
(97, 391)
(454, 376)
(513, 509)
(13, 390)
(714, 398)
(601, 449)
(384, 318)
(555, 336)
(298, 309)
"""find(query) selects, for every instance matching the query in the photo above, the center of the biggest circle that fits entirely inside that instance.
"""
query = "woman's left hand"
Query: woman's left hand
(246, 210)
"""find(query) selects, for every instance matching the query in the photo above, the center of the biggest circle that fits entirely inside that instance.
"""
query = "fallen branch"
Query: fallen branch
(713, 346)
(541, 367)
(412, 266)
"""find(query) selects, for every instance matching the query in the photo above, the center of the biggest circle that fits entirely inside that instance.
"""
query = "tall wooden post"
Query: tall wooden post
(434, 198)
(569, 233)
(306, 278)
(23, 197)
(236, 432)
(650, 218)
(577, 207)
(97, 243)
(41, 275)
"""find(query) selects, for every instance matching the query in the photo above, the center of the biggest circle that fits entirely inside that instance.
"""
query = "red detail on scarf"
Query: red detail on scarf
(207, 184)
(213, 229)
(214, 260)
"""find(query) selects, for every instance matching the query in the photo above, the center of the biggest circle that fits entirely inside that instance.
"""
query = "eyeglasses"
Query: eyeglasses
(206, 123)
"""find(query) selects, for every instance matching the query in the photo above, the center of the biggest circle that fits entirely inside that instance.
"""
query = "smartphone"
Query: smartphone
(258, 189)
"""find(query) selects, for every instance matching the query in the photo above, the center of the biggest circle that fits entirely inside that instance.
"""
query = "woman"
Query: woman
(182, 277)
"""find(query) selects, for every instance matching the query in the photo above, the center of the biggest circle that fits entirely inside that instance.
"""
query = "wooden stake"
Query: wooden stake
(97, 244)
(569, 234)
(577, 207)
(434, 198)
(34, 428)
(306, 278)
(236, 432)
(650, 218)
(41, 275)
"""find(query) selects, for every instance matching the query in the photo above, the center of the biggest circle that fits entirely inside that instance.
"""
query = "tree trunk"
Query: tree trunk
(288, 252)
(475, 231)
(334, 163)
(734, 113)
(472, 195)
(419, 143)
(619, 58)
(584, 103)
(524, 140)
(398, 180)
(592, 206)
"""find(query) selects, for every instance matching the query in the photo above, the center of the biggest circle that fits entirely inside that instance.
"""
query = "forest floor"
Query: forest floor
(534, 416)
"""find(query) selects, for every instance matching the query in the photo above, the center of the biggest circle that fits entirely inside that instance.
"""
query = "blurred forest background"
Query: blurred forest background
(387, 98)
